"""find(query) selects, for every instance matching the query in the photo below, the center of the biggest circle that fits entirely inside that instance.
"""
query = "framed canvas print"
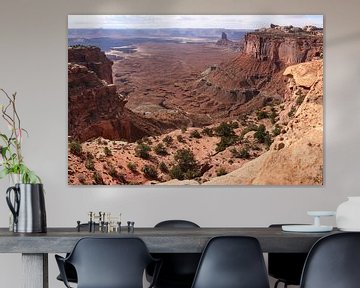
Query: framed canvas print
(195, 99)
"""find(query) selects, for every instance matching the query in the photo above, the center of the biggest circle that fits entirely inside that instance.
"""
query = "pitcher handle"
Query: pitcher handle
(13, 208)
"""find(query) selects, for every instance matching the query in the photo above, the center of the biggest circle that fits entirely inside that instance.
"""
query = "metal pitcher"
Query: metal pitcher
(27, 207)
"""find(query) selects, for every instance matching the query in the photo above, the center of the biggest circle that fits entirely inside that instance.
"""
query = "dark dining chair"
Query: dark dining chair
(232, 262)
(108, 263)
(178, 269)
(286, 267)
(333, 262)
(70, 271)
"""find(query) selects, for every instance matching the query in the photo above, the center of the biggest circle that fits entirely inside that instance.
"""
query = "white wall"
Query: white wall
(33, 53)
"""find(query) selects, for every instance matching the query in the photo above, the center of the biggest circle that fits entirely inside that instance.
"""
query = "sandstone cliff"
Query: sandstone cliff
(95, 108)
(91, 101)
(296, 156)
(92, 58)
(284, 45)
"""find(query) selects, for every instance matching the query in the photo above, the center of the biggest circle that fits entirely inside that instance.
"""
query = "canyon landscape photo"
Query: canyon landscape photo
(195, 100)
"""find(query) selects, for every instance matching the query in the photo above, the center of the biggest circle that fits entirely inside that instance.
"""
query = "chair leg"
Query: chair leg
(279, 281)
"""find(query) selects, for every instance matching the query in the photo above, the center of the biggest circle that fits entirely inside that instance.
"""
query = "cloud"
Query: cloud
(190, 21)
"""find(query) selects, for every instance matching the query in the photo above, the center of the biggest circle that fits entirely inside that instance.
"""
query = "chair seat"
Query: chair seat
(177, 270)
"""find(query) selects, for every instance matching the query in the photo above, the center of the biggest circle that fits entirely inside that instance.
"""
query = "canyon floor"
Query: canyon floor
(159, 80)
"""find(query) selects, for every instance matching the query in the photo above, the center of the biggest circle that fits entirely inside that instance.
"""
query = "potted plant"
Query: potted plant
(12, 161)
(26, 197)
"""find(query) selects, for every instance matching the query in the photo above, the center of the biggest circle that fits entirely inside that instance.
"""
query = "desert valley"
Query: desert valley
(196, 106)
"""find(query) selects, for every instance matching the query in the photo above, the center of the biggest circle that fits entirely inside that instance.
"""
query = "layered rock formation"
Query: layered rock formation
(285, 45)
(247, 81)
(92, 58)
(296, 156)
(95, 107)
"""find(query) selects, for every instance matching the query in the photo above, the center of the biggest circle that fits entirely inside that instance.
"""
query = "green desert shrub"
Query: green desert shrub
(180, 139)
(292, 111)
(262, 115)
(163, 167)
(176, 173)
(243, 153)
(234, 124)
(263, 136)
(251, 127)
(112, 171)
(260, 133)
(132, 166)
(208, 132)
(168, 140)
(186, 166)
(227, 134)
(300, 99)
(160, 149)
(273, 116)
(195, 134)
(107, 151)
(75, 148)
(89, 164)
(142, 150)
(225, 141)
(226, 129)
(221, 171)
(89, 155)
(276, 131)
(268, 140)
(98, 180)
(150, 172)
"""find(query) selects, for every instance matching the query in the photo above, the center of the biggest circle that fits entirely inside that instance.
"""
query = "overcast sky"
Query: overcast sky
(190, 21)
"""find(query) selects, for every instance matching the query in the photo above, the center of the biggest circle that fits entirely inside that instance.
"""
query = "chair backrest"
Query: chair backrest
(110, 262)
(178, 269)
(232, 262)
(333, 262)
(176, 224)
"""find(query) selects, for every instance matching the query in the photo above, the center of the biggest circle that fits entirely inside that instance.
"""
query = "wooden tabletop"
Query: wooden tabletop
(158, 240)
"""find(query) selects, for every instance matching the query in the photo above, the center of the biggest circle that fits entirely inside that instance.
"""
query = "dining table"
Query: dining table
(35, 247)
